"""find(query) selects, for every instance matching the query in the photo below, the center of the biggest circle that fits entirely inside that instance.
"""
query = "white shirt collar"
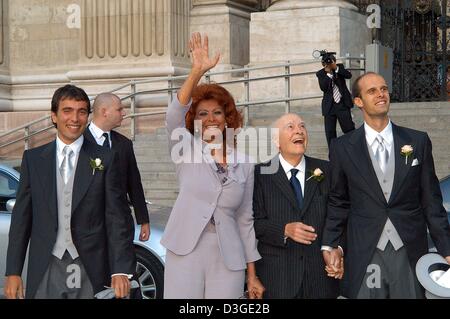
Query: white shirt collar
(287, 166)
(96, 131)
(386, 133)
(75, 146)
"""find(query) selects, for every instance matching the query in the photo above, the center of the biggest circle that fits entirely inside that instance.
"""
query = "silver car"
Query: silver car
(150, 255)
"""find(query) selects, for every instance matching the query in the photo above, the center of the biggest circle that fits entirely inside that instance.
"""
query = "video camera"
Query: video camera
(327, 57)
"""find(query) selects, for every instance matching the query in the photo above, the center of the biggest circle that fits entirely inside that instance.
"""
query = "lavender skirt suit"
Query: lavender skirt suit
(206, 260)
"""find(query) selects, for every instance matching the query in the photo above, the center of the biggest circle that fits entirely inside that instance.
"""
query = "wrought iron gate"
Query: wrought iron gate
(419, 33)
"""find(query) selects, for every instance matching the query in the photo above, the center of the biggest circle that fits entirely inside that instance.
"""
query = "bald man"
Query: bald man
(108, 113)
(289, 204)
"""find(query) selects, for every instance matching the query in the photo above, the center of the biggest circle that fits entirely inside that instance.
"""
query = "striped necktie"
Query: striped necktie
(336, 94)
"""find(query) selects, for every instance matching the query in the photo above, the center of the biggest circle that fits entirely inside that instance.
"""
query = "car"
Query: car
(445, 190)
(150, 254)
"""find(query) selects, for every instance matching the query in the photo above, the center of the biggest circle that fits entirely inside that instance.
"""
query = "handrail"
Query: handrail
(170, 89)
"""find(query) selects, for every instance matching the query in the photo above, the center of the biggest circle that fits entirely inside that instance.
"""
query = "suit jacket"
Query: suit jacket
(98, 224)
(284, 267)
(129, 174)
(326, 85)
(356, 200)
(202, 194)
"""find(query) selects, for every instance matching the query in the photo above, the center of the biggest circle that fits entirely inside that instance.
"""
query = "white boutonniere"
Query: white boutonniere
(406, 151)
(96, 164)
(317, 174)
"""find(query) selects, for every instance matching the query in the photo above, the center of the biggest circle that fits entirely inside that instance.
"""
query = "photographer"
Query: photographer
(337, 101)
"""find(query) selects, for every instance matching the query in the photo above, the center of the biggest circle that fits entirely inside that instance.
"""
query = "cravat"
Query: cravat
(297, 187)
(336, 94)
(381, 154)
(66, 165)
(106, 142)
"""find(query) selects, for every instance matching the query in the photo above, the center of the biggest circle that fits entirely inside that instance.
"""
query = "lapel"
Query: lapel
(88, 135)
(280, 180)
(310, 186)
(115, 141)
(401, 169)
(359, 155)
(47, 173)
(83, 175)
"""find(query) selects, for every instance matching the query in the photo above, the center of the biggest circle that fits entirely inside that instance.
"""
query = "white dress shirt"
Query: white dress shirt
(301, 171)
(97, 133)
(386, 134)
(75, 147)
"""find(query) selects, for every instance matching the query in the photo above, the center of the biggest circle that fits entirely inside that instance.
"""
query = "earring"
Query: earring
(226, 125)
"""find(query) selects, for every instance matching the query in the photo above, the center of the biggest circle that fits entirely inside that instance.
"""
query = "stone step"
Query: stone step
(156, 184)
(156, 167)
(160, 176)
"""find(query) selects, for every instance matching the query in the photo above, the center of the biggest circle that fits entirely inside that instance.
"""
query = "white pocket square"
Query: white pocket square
(415, 162)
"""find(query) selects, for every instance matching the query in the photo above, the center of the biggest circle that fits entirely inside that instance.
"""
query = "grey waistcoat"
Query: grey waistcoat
(64, 237)
(386, 181)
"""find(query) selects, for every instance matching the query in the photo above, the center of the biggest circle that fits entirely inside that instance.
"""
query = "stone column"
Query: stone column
(132, 39)
(227, 24)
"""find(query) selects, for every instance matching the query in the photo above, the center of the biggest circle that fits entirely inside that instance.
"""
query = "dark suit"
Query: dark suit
(331, 110)
(357, 201)
(129, 174)
(291, 270)
(98, 224)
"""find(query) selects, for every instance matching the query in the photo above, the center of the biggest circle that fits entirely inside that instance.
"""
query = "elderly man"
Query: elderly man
(289, 203)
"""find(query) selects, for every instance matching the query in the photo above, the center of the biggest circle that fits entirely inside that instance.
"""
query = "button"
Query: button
(204, 217)
(67, 192)
(389, 231)
(386, 193)
(384, 181)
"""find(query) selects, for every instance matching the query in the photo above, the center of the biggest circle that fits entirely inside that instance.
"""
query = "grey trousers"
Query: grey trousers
(389, 276)
(65, 279)
(202, 273)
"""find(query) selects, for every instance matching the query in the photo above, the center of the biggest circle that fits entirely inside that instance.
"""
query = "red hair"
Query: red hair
(215, 92)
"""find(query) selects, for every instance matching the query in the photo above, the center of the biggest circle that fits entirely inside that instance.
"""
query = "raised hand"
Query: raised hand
(201, 62)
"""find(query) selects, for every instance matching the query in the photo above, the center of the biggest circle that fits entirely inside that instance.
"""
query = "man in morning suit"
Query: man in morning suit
(108, 113)
(385, 191)
(337, 101)
(289, 207)
(69, 209)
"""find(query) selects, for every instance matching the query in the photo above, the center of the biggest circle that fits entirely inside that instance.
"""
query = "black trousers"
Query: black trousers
(338, 113)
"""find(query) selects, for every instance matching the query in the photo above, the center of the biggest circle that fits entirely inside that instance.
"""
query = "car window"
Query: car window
(8, 189)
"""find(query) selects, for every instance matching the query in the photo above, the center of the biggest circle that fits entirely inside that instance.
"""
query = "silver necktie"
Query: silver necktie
(66, 168)
(381, 154)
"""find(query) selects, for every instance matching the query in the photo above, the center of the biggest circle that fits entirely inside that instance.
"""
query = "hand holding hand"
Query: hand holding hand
(334, 263)
(255, 288)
